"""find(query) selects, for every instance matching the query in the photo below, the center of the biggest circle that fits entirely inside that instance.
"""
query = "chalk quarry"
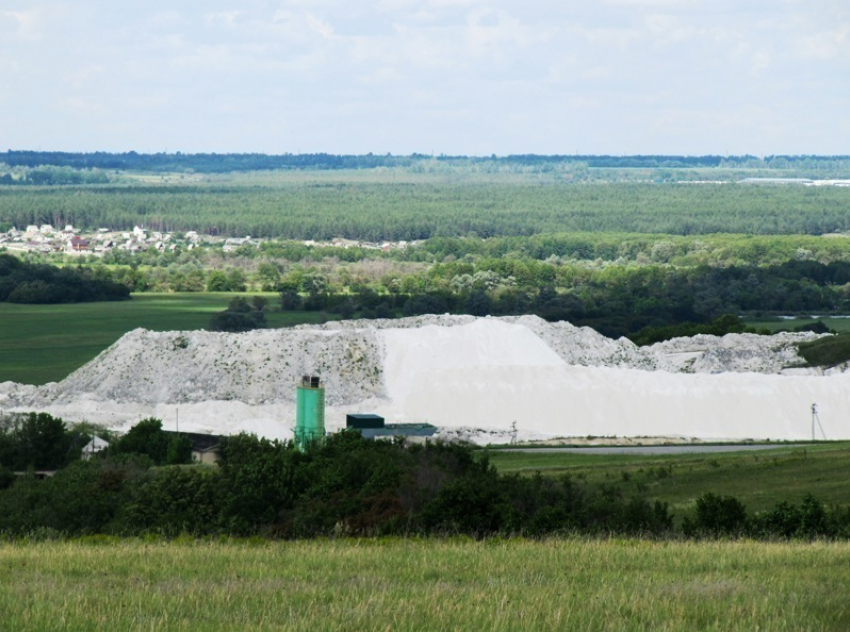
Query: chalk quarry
(472, 377)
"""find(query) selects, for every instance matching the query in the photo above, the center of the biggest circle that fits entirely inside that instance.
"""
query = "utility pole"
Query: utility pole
(816, 421)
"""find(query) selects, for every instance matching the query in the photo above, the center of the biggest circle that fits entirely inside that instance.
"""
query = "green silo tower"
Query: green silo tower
(309, 411)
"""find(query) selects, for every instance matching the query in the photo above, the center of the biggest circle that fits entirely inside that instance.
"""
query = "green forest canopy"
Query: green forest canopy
(375, 211)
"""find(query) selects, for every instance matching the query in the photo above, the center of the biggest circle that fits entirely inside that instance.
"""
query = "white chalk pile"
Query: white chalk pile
(456, 372)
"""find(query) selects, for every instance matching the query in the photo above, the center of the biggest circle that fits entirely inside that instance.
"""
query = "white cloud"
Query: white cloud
(25, 25)
(84, 105)
(760, 61)
(645, 3)
(82, 77)
(226, 19)
(449, 75)
(828, 44)
(320, 26)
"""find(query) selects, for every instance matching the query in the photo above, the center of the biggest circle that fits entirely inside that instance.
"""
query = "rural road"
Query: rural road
(658, 449)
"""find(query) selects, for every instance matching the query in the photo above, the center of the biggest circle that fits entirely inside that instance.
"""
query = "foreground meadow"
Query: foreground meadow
(425, 585)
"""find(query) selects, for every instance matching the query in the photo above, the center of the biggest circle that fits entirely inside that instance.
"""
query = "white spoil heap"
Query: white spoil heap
(487, 374)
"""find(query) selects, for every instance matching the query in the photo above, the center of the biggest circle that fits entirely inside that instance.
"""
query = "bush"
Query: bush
(240, 316)
(809, 520)
(473, 504)
(174, 500)
(346, 485)
(38, 441)
(147, 438)
(716, 516)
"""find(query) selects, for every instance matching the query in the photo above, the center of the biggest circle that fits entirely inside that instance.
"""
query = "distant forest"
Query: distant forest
(222, 163)
(413, 211)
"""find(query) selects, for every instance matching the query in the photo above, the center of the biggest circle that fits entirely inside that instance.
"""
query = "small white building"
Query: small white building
(94, 446)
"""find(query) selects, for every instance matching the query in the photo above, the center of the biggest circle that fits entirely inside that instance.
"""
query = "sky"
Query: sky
(457, 77)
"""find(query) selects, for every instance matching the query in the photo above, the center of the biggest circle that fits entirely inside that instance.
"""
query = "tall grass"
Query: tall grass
(425, 585)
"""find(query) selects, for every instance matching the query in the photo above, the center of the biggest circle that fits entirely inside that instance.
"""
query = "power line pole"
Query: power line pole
(816, 422)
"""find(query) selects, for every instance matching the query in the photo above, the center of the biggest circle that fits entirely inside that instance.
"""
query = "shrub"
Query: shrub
(175, 500)
(716, 516)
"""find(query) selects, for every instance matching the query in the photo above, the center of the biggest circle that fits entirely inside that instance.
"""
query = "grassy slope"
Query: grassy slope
(44, 343)
(426, 585)
(758, 479)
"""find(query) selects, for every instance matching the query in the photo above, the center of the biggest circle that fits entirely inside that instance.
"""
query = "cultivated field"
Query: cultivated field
(425, 585)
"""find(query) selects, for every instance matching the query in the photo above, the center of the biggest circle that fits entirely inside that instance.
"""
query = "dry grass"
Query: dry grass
(425, 585)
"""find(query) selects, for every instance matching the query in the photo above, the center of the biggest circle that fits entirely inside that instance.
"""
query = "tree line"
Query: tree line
(227, 162)
(349, 486)
(22, 282)
(615, 300)
(52, 176)
(647, 304)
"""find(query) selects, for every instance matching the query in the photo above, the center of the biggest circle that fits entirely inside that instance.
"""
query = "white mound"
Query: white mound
(454, 372)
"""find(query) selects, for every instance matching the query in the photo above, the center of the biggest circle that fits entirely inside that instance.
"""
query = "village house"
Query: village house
(78, 244)
(205, 447)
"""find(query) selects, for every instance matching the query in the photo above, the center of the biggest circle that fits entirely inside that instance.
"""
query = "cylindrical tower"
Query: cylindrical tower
(309, 411)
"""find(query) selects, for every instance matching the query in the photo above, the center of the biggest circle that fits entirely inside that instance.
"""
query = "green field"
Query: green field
(758, 479)
(45, 343)
(570, 584)
(840, 324)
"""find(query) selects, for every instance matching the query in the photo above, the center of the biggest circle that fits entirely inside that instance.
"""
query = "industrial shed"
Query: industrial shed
(374, 427)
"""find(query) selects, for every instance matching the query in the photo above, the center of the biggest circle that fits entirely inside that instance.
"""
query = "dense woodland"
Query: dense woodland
(615, 299)
(411, 211)
(22, 282)
(343, 486)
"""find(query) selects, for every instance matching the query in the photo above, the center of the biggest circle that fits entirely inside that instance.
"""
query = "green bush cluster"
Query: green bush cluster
(726, 516)
(345, 485)
(240, 315)
(349, 486)
(147, 439)
(22, 282)
(37, 441)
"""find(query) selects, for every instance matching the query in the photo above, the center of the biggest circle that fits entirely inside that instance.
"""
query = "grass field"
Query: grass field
(758, 479)
(774, 323)
(569, 584)
(45, 343)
